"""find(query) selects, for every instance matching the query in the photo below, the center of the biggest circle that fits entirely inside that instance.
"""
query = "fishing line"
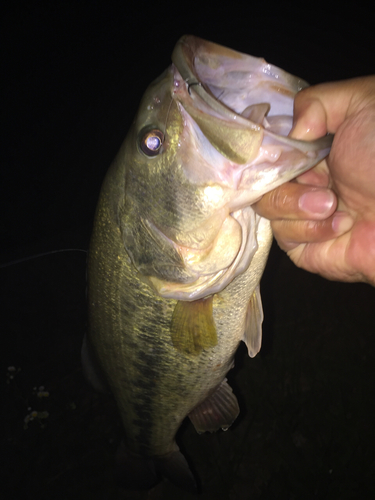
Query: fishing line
(191, 84)
(31, 257)
(166, 119)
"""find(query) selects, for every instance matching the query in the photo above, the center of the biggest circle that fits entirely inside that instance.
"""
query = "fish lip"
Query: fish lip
(183, 58)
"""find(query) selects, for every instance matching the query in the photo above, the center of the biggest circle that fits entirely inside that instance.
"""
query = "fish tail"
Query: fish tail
(142, 473)
(175, 468)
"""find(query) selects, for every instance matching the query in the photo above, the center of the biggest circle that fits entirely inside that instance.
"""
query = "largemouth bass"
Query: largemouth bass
(177, 252)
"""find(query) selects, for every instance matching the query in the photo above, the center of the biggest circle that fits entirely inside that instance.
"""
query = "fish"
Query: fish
(177, 251)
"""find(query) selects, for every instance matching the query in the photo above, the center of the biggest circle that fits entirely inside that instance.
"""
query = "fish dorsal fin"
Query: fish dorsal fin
(253, 324)
(192, 327)
(216, 412)
(256, 112)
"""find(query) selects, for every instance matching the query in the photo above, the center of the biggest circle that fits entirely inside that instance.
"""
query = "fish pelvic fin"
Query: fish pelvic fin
(216, 412)
(253, 324)
(192, 327)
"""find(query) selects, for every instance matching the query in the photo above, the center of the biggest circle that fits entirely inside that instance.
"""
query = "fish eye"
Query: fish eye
(151, 142)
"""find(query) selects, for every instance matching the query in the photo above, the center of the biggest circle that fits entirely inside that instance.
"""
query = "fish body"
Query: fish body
(177, 252)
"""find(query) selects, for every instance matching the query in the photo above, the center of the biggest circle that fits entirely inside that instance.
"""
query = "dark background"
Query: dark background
(72, 77)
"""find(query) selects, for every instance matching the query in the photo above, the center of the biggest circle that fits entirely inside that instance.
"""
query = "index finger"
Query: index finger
(323, 108)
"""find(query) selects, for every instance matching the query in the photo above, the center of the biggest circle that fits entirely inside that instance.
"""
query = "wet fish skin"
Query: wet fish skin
(165, 314)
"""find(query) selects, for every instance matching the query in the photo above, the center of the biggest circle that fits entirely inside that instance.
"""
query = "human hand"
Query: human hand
(325, 220)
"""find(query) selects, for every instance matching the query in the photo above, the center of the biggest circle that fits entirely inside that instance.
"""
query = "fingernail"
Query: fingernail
(342, 222)
(317, 202)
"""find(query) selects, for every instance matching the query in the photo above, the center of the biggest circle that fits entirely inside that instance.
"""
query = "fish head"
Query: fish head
(209, 139)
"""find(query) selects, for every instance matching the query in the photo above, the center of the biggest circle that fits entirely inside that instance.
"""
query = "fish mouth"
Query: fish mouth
(244, 106)
(236, 113)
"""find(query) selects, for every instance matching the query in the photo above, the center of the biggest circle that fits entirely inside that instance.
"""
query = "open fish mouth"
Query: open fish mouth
(244, 107)
(230, 147)
(237, 111)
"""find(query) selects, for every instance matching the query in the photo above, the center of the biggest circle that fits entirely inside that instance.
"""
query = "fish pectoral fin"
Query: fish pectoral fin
(253, 324)
(192, 327)
(216, 412)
